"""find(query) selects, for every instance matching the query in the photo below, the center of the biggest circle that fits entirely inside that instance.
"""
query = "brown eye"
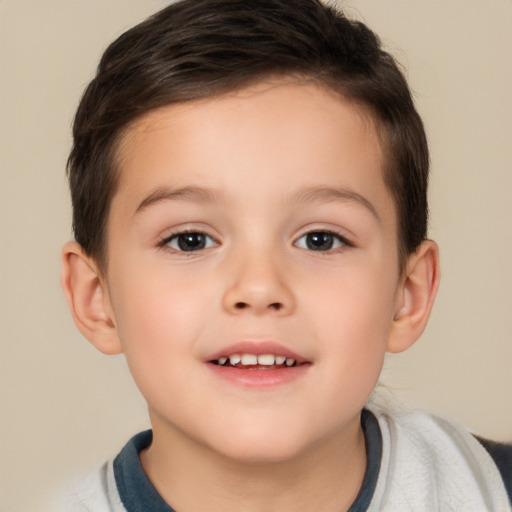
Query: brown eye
(320, 241)
(189, 242)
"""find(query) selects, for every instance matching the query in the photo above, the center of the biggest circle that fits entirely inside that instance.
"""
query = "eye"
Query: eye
(189, 242)
(321, 241)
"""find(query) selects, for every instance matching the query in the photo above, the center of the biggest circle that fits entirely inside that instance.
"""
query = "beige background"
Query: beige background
(65, 408)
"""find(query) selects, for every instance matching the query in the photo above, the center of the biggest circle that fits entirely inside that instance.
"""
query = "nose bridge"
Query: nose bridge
(257, 282)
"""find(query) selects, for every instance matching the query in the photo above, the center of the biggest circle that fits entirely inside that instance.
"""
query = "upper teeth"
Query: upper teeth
(253, 359)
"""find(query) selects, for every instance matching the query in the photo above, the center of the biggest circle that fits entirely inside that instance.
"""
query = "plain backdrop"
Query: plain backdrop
(65, 407)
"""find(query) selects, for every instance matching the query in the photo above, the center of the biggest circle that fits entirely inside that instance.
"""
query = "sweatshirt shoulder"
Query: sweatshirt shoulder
(92, 492)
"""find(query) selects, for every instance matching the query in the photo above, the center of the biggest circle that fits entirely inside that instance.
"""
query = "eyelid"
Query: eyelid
(164, 240)
(336, 234)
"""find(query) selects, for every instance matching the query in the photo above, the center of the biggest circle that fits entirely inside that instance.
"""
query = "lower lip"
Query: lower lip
(257, 378)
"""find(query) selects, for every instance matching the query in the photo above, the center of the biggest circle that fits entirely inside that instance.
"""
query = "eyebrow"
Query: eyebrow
(306, 196)
(326, 194)
(192, 193)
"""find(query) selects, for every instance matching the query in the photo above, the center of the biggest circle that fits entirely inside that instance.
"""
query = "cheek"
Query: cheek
(356, 345)
(158, 316)
(354, 318)
(351, 300)
(157, 331)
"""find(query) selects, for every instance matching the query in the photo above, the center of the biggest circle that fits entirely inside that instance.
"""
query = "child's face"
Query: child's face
(291, 251)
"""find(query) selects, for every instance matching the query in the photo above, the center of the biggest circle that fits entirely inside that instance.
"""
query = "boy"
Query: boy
(249, 190)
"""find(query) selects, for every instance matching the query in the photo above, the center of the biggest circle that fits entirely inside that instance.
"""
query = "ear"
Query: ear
(415, 297)
(88, 299)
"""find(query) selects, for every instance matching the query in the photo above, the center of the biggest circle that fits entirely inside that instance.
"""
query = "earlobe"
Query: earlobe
(88, 299)
(415, 297)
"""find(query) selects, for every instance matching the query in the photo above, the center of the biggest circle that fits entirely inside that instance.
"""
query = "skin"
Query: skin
(255, 171)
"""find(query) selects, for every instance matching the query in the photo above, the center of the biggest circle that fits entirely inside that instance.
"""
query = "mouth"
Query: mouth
(258, 365)
(256, 361)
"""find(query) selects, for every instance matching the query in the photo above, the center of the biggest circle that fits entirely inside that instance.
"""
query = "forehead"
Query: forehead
(266, 134)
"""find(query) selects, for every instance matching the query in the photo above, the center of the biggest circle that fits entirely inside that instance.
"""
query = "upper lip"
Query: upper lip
(258, 348)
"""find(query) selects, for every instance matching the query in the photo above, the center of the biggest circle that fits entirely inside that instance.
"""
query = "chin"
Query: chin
(265, 445)
(264, 454)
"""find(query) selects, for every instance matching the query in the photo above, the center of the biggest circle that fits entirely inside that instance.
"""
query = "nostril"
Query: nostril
(276, 306)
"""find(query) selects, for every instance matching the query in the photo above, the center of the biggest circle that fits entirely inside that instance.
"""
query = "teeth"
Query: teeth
(266, 359)
(249, 359)
(234, 359)
(253, 360)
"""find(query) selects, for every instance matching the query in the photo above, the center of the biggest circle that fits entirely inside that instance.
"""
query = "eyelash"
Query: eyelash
(334, 236)
(329, 237)
(176, 237)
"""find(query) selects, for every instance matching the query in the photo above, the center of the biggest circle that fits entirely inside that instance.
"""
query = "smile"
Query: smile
(256, 362)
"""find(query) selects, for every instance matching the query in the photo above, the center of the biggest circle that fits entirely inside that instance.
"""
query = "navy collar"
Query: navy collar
(135, 490)
(138, 494)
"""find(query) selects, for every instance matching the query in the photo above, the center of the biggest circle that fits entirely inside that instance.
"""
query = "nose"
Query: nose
(257, 284)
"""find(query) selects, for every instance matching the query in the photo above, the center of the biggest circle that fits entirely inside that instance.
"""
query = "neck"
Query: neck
(192, 477)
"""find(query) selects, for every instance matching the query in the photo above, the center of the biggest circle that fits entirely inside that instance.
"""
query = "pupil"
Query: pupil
(191, 241)
(319, 241)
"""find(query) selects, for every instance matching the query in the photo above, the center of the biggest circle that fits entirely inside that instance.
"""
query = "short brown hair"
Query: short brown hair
(195, 49)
